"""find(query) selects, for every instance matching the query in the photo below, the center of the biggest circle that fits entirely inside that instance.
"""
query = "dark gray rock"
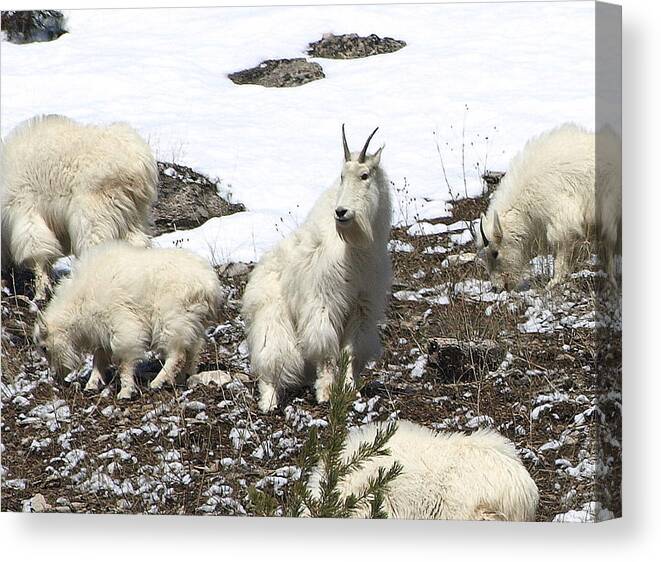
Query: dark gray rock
(187, 199)
(28, 26)
(452, 360)
(280, 73)
(351, 46)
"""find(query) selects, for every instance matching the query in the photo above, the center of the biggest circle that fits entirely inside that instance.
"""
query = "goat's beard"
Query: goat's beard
(357, 234)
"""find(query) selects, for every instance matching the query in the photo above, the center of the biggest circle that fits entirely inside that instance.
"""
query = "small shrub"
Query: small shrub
(325, 454)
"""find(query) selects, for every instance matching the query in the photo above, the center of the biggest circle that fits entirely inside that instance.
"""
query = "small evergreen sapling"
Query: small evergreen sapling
(326, 456)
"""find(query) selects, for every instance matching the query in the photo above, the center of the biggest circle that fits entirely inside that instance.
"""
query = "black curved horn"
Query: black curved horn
(484, 236)
(347, 152)
(363, 152)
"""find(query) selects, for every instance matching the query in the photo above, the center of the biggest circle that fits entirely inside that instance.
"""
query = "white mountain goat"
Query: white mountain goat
(121, 301)
(67, 187)
(445, 475)
(321, 291)
(552, 199)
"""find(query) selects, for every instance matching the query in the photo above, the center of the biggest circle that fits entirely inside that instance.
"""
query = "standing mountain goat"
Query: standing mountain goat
(121, 301)
(552, 199)
(67, 187)
(445, 475)
(322, 290)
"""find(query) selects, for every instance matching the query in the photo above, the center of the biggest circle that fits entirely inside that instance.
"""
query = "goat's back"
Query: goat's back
(157, 279)
(54, 155)
(447, 475)
(553, 168)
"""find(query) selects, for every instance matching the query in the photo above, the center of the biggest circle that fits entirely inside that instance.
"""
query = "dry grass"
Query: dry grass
(188, 463)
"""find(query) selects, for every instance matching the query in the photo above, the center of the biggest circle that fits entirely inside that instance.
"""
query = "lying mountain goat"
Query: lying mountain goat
(121, 301)
(322, 290)
(445, 475)
(552, 199)
(66, 187)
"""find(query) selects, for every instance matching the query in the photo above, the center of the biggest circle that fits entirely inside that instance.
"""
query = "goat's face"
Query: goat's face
(358, 195)
(501, 255)
(58, 351)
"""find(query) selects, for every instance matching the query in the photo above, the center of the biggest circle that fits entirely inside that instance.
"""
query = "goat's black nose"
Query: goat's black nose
(340, 212)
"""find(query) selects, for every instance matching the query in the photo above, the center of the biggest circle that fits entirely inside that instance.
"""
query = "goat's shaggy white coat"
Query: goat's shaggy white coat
(322, 290)
(556, 195)
(121, 301)
(67, 187)
(445, 475)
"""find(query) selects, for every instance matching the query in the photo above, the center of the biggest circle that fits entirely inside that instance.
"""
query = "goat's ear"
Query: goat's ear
(376, 157)
(497, 228)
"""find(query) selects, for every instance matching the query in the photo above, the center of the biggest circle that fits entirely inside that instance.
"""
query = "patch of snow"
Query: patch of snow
(239, 436)
(418, 368)
(435, 250)
(51, 415)
(462, 238)
(479, 290)
(427, 229)
(591, 512)
(479, 421)
(400, 246)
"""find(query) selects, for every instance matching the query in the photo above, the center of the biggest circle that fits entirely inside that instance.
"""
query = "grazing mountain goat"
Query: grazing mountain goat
(445, 475)
(321, 291)
(121, 301)
(552, 199)
(66, 187)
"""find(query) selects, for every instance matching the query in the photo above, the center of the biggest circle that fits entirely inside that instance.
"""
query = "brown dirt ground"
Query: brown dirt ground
(211, 474)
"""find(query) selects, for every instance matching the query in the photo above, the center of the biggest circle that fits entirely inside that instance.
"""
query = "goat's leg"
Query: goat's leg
(281, 370)
(168, 374)
(42, 283)
(33, 244)
(127, 380)
(192, 359)
(268, 396)
(322, 385)
(348, 350)
(359, 342)
(349, 377)
(99, 367)
(609, 262)
(561, 265)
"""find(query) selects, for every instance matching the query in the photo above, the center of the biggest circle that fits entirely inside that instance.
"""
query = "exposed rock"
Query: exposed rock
(233, 269)
(458, 259)
(187, 199)
(351, 46)
(453, 359)
(219, 378)
(280, 73)
(28, 26)
(36, 504)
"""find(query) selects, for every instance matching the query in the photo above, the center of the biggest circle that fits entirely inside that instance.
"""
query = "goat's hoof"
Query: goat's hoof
(323, 396)
(267, 406)
(126, 394)
(92, 388)
(159, 384)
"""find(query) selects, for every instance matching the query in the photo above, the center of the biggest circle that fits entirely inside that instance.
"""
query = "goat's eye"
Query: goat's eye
(364, 176)
(495, 254)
